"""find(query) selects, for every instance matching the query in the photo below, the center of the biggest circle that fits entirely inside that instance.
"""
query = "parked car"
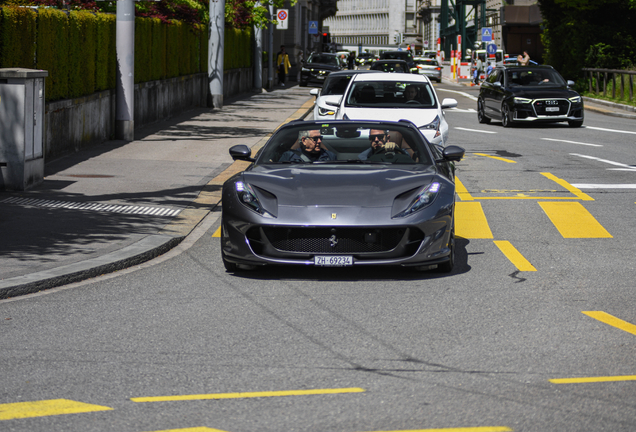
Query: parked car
(429, 67)
(518, 94)
(390, 66)
(392, 208)
(332, 90)
(400, 55)
(317, 67)
(384, 97)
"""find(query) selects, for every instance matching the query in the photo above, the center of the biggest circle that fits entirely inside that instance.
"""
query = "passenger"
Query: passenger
(410, 93)
(380, 144)
(310, 149)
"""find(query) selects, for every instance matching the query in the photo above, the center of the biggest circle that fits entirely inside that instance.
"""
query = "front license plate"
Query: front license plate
(333, 260)
(552, 109)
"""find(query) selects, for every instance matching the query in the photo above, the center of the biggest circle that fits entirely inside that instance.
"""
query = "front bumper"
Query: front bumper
(314, 76)
(548, 110)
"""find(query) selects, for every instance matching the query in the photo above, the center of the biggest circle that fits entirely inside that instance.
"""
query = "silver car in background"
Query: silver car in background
(429, 67)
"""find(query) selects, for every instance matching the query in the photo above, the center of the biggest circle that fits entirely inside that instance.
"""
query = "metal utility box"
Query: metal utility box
(21, 127)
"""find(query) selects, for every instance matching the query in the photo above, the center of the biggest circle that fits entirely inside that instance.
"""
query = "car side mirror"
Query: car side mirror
(449, 103)
(452, 153)
(241, 152)
(497, 84)
(314, 92)
(334, 103)
(571, 83)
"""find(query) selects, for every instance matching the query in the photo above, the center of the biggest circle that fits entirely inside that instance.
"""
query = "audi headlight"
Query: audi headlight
(575, 99)
(434, 125)
(520, 100)
(249, 199)
(424, 198)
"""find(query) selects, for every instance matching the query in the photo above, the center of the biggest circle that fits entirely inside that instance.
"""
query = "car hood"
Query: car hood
(540, 92)
(322, 186)
(322, 66)
(419, 116)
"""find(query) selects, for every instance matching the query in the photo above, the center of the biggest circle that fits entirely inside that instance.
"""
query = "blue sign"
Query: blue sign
(491, 49)
(313, 27)
(486, 34)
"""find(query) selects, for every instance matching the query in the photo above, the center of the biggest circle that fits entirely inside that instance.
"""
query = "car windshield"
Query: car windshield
(530, 77)
(390, 66)
(391, 94)
(427, 62)
(396, 55)
(346, 143)
(323, 59)
(335, 85)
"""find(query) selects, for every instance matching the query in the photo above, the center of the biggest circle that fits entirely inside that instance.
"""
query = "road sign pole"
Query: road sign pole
(125, 52)
(215, 53)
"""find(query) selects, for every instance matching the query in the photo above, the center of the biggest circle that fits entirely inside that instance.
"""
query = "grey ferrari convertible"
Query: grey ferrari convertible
(342, 193)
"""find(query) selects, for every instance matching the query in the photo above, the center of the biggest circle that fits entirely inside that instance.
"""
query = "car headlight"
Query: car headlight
(325, 111)
(434, 125)
(575, 99)
(248, 198)
(520, 100)
(424, 198)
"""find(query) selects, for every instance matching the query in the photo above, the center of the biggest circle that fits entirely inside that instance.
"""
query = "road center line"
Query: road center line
(622, 165)
(45, 408)
(495, 157)
(464, 429)
(568, 186)
(604, 186)
(612, 320)
(475, 130)
(572, 142)
(245, 395)
(593, 379)
(610, 130)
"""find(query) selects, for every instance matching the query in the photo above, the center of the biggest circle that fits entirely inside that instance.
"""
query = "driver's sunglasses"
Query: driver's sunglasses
(315, 138)
(374, 137)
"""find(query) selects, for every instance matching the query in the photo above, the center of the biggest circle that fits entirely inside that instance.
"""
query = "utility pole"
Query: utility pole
(258, 57)
(125, 51)
(215, 53)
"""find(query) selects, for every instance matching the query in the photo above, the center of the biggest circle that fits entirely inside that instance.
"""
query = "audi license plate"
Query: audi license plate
(333, 260)
(552, 109)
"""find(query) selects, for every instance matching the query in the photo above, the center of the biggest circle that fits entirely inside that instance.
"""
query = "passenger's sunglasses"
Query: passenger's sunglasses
(374, 137)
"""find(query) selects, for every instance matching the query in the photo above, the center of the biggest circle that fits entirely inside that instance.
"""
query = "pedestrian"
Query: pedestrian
(490, 68)
(351, 61)
(479, 68)
(523, 60)
(283, 63)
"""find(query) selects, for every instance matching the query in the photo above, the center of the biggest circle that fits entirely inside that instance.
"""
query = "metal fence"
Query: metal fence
(605, 75)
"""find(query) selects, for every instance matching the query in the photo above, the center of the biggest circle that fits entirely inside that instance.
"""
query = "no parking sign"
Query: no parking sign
(282, 16)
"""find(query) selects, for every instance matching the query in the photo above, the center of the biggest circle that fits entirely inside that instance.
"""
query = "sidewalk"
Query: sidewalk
(119, 204)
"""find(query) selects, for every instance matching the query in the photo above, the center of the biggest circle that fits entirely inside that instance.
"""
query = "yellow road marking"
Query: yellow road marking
(461, 190)
(470, 221)
(496, 157)
(569, 187)
(248, 395)
(593, 379)
(573, 220)
(612, 320)
(217, 233)
(192, 429)
(466, 429)
(44, 408)
(514, 256)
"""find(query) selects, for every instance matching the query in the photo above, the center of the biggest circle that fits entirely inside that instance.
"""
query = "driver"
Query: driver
(410, 93)
(310, 149)
(379, 144)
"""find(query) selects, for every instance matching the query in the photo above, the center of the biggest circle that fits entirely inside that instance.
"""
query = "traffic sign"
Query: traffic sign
(313, 27)
(491, 49)
(282, 16)
(486, 34)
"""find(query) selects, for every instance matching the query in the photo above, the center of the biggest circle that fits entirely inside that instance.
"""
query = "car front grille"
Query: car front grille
(551, 107)
(337, 240)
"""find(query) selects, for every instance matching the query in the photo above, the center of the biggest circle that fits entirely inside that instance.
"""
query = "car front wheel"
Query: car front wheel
(448, 266)
(506, 116)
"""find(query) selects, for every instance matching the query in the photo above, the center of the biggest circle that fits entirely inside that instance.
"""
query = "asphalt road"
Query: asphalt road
(542, 292)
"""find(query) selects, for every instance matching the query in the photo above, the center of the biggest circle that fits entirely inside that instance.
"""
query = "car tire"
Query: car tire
(506, 116)
(575, 123)
(481, 115)
(448, 266)
(229, 266)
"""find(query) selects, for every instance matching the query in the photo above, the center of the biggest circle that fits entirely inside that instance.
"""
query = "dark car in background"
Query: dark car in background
(528, 94)
(392, 207)
(400, 55)
(399, 66)
(317, 67)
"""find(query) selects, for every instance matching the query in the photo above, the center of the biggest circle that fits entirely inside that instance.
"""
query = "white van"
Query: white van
(485, 58)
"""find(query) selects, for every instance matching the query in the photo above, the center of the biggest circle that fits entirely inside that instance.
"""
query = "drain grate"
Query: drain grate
(111, 208)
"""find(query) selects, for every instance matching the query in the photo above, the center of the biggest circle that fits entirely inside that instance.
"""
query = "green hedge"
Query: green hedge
(78, 48)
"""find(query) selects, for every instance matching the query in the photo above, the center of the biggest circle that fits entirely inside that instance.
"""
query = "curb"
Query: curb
(145, 249)
(614, 110)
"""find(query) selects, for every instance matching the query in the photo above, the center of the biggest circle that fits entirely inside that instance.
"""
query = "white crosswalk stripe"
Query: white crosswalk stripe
(90, 206)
